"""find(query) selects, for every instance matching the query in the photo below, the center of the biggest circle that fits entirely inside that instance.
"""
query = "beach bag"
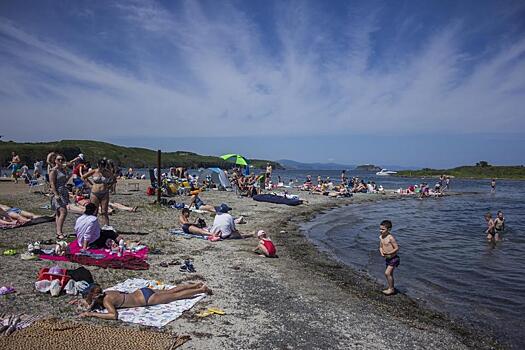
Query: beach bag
(201, 223)
(81, 274)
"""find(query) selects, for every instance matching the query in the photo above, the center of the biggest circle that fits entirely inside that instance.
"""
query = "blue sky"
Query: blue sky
(425, 83)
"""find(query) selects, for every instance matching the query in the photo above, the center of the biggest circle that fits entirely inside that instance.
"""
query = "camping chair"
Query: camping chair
(39, 184)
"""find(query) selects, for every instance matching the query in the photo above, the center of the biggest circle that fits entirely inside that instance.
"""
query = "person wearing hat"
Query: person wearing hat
(223, 224)
(266, 246)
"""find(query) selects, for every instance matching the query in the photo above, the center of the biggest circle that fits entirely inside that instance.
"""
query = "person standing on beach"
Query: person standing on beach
(100, 179)
(388, 248)
(344, 178)
(493, 185)
(269, 171)
(15, 165)
(58, 178)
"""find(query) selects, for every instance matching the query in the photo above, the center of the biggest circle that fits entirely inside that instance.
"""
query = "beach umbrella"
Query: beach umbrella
(235, 158)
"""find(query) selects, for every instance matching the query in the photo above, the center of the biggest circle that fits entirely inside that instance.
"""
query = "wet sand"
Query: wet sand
(303, 299)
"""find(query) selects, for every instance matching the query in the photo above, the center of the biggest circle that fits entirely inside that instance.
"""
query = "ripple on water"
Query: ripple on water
(445, 259)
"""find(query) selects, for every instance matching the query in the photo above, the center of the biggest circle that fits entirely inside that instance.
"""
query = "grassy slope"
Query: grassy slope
(124, 156)
(476, 172)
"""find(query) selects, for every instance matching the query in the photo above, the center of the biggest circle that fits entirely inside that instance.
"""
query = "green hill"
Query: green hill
(124, 156)
(481, 170)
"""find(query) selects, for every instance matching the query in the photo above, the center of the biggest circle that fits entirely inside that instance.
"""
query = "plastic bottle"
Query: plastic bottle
(121, 247)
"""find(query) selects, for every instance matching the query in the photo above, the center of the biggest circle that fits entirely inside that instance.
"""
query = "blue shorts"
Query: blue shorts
(15, 210)
(393, 261)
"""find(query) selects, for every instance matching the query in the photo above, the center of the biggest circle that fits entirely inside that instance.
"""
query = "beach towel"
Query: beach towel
(154, 315)
(102, 258)
(179, 232)
(32, 222)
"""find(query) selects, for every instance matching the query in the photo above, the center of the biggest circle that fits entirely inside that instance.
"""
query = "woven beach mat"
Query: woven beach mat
(54, 334)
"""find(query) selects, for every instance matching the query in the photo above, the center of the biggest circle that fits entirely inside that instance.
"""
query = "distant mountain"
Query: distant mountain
(293, 165)
(123, 156)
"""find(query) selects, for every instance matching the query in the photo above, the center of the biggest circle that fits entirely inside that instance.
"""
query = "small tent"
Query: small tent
(217, 175)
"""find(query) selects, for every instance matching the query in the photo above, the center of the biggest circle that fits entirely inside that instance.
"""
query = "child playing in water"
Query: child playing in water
(499, 225)
(388, 248)
(490, 227)
(266, 246)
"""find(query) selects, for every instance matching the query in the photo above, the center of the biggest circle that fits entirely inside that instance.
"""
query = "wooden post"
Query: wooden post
(159, 171)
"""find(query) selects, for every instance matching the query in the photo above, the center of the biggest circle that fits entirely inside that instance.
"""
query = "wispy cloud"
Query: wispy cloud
(214, 74)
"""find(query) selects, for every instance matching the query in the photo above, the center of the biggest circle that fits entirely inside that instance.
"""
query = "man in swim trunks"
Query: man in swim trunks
(15, 165)
(493, 185)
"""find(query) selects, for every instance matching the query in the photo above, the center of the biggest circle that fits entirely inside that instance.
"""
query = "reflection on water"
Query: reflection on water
(446, 261)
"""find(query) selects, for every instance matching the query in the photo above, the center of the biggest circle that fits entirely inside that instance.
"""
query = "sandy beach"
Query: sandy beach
(301, 300)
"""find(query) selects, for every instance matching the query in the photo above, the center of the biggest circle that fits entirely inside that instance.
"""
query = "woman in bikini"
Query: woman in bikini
(113, 300)
(190, 227)
(58, 178)
(100, 180)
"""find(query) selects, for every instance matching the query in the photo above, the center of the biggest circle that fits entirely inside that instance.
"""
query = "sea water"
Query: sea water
(446, 262)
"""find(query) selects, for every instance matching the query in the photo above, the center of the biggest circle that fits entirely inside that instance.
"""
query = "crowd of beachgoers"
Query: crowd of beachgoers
(85, 188)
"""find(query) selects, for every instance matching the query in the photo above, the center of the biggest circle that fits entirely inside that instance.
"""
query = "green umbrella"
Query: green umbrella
(235, 158)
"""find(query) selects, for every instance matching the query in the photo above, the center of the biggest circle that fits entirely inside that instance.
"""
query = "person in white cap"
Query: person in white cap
(266, 246)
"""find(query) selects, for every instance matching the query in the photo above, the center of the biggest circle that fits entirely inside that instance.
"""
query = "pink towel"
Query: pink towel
(109, 260)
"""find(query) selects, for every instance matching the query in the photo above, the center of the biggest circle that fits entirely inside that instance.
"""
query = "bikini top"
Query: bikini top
(100, 180)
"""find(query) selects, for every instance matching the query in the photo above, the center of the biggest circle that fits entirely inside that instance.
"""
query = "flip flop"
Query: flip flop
(204, 313)
(60, 237)
(6, 290)
(9, 252)
(216, 311)
(164, 264)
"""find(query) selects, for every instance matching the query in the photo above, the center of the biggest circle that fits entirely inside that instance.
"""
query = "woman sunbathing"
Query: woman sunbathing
(113, 300)
(15, 216)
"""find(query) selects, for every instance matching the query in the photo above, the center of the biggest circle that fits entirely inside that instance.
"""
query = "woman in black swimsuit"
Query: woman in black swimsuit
(112, 300)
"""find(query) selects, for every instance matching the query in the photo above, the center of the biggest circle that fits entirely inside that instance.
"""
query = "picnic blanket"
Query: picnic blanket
(102, 258)
(179, 232)
(154, 315)
(32, 222)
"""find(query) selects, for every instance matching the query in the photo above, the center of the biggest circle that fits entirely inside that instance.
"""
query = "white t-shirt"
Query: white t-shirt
(224, 224)
(87, 228)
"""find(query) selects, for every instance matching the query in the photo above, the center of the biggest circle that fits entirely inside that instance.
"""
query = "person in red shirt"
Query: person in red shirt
(266, 246)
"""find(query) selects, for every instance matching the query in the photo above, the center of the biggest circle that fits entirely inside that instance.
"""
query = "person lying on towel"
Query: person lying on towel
(112, 300)
(15, 216)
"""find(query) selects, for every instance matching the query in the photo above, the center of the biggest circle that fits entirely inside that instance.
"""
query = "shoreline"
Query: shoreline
(364, 286)
(302, 299)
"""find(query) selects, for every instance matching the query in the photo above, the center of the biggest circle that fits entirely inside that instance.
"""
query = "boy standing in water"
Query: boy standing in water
(493, 185)
(499, 225)
(388, 248)
(490, 227)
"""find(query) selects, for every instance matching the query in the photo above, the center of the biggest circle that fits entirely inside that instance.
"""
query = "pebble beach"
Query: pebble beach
(301, 300)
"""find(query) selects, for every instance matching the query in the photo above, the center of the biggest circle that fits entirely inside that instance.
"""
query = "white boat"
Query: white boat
(385, 172)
